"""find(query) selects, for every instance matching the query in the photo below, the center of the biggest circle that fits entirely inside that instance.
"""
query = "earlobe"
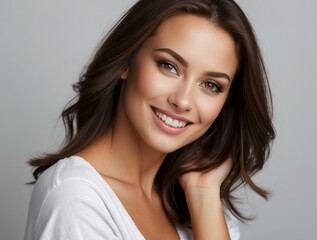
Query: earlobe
(124, 75)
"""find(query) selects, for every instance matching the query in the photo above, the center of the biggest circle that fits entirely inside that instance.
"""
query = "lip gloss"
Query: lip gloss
(167, 128)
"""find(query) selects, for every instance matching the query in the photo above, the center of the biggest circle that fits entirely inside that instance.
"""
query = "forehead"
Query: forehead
(198, 40)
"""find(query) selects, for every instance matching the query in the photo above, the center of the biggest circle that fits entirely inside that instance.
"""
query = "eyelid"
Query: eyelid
(216, 84)
(165, 61)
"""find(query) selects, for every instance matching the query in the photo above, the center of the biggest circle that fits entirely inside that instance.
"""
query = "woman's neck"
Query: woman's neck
(122, 156)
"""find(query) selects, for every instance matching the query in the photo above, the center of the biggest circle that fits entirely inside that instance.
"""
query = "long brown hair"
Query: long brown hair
(243, 130)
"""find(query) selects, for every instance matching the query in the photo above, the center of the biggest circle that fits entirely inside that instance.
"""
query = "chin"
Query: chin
(165, 146)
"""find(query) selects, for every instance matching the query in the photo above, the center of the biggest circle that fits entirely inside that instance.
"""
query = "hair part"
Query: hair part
(243, 130)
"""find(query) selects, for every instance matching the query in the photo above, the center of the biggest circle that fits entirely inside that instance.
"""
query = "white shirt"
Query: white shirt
(71, 200)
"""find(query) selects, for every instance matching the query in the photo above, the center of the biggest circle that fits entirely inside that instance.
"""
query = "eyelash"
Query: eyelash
(166, 65)
(213, 87)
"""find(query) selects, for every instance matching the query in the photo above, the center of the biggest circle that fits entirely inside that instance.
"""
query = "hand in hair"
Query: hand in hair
(212, 180)
(202, 191)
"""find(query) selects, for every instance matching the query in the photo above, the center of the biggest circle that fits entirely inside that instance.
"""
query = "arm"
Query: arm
(202, 191)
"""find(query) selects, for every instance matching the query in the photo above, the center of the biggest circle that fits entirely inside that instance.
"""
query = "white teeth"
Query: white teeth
(170, 121)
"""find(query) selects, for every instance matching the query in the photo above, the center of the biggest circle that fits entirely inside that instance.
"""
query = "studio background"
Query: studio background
(44, 45)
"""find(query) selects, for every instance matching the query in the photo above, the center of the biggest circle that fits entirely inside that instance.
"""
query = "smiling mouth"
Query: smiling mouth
(169, 120)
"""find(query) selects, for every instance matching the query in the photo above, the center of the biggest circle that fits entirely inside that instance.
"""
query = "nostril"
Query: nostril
(179, 103)
(175, 105)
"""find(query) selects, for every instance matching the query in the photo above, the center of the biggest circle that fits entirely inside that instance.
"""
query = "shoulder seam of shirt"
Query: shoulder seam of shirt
(59, 183)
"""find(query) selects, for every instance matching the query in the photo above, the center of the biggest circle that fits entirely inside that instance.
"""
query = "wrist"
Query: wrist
(201, 198)
(202, 192)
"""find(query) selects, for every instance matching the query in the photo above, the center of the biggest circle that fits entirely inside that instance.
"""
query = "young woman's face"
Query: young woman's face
(178, 82)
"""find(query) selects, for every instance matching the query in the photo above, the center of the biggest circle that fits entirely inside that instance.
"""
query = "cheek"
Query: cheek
(150, 83)
(210, 109)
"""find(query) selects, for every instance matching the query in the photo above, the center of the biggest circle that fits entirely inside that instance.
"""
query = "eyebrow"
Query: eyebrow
(174, 55)
(185, 63)
(218, 75)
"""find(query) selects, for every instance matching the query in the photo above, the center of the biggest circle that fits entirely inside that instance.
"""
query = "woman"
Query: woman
(171, 116)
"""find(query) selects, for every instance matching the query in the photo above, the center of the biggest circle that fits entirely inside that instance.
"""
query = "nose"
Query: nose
(181, 99)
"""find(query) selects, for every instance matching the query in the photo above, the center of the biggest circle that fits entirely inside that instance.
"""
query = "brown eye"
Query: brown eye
(167, 66)
(212, 86)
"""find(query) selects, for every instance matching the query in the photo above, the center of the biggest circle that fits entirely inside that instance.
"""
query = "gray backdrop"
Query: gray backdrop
(45, 44)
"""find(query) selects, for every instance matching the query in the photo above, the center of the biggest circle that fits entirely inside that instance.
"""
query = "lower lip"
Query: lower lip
(167, 128)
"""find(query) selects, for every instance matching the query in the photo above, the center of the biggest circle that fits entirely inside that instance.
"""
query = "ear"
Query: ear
(124, 75)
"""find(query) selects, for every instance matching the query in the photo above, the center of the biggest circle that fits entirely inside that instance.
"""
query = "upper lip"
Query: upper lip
(172, 115)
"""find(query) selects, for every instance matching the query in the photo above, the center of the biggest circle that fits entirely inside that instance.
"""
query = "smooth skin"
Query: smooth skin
(184, 70)
(202, 189)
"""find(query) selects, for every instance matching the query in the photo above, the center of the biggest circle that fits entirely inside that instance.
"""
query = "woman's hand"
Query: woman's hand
(209, 180)
(202, 192)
